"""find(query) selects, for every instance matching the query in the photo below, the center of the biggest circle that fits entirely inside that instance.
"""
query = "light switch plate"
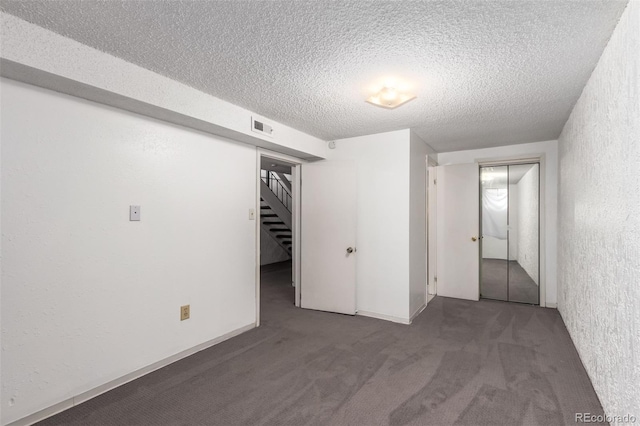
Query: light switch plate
(134, 213)
(252, 214)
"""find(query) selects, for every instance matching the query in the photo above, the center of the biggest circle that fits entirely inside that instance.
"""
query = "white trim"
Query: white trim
(297, 237)
(258, 227)
(383, 317)
(509, 162)
(542, 231)
(99, 390)
(551, 305)
(277, 156)
(433, 234)
(418, 312)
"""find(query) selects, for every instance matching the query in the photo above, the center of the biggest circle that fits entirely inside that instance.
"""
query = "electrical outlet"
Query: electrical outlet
(185, 312)
(134, 213)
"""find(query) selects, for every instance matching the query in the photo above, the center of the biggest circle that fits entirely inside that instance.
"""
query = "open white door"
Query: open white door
(458, 227)
(328, 233)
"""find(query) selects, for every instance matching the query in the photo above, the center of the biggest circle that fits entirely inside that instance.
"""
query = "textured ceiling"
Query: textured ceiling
(487, 73)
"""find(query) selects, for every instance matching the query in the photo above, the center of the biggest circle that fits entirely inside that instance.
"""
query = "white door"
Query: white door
(328, 237)
(458, 227)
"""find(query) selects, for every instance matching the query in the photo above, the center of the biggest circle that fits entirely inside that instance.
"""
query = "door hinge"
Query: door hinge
(435, 181)
(435, 279)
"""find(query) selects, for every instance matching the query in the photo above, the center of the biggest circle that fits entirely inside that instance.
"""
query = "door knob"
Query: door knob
(350, 250)
(473, 238)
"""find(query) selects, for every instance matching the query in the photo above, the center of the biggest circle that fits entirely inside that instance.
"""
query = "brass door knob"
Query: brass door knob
(473, 238)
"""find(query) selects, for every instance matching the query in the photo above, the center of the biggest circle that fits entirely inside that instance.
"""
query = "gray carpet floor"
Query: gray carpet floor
(460, 362)
(514, 284)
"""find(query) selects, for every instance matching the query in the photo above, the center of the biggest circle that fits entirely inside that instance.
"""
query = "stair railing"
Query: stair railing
(277, 187)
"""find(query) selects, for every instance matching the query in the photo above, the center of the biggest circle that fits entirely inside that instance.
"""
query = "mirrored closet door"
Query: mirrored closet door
(509, 221)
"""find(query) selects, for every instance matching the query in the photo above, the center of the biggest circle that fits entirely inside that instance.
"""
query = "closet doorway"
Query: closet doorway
(510, 233)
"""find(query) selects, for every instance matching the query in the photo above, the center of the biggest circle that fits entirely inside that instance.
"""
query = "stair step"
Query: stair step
(269, 222)
(283, 236)
(265, 207)
(268, 215)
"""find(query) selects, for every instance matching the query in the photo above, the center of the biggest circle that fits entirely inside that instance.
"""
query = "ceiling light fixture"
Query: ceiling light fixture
(390, 98)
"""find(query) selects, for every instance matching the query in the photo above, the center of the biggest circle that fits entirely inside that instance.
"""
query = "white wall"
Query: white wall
(1, 257)
(527, 226)
(548, 152)
(88, 296)
(382, 270)
(418, 151)
(599, 222)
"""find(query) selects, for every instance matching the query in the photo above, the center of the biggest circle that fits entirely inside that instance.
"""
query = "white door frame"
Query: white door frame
(542, 258)
(296, 164)
(432, 251)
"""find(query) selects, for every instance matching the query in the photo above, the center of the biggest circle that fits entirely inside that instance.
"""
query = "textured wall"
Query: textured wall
(599, 222)
(70, 67)
(528, 223)
(87, 296)
(311, 64)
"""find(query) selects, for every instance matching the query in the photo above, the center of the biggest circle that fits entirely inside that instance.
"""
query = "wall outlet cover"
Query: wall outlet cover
(185, 312)
(134, 213)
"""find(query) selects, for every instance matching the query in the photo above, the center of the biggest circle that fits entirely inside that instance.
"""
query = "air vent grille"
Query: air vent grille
(261, 127)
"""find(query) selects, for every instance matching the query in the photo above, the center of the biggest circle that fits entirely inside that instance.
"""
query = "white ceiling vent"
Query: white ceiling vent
(261, 127)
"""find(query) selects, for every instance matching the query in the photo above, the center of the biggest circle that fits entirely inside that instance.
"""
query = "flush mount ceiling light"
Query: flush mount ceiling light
(390, 98)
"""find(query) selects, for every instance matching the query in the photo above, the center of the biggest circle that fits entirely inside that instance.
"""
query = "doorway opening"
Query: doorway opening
(510, 232)
(277, 233)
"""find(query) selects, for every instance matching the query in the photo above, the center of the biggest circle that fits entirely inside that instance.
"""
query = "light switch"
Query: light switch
(252, 214)
(134, 213)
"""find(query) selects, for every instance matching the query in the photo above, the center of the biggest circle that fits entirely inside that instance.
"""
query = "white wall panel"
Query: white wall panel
(87, 295)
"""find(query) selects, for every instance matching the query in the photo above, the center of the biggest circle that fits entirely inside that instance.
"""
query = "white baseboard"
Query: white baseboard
(551, 305)
(384, 317)
(85, 396)
(417, 312)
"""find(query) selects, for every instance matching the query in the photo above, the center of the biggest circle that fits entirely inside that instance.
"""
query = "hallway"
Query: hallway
(460, 362)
